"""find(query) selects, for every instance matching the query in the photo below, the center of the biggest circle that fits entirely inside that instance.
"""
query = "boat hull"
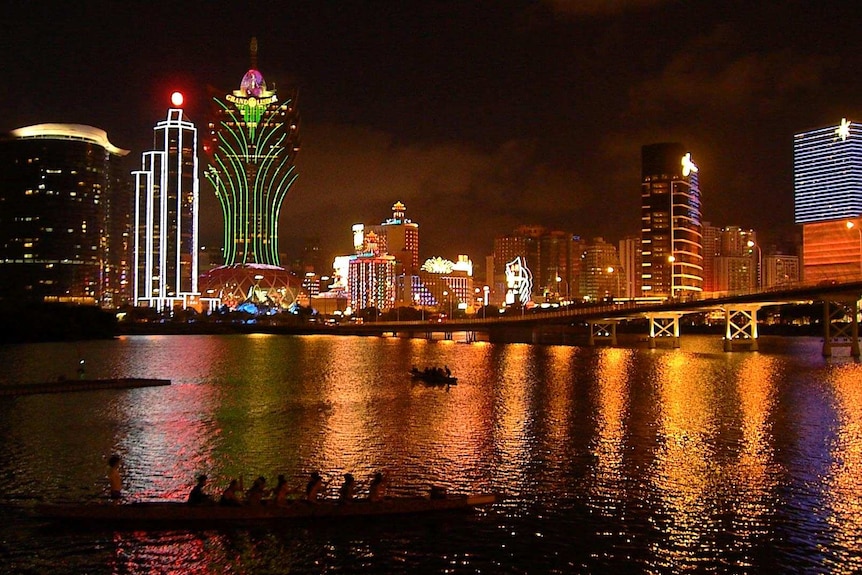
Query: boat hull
(134, 514)
(434, 379)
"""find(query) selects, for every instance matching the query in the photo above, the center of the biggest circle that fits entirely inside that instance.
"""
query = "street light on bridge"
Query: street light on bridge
(758, 282)
(850, 226)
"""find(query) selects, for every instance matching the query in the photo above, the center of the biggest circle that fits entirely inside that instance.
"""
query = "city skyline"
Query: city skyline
(478, 119)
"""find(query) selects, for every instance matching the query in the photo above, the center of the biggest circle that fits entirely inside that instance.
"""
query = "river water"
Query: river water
(610, 459)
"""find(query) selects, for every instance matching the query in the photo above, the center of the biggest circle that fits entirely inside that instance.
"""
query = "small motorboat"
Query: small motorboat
(433, 377)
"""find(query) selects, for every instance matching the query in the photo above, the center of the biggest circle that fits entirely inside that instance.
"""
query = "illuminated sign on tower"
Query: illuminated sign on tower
(254, 142)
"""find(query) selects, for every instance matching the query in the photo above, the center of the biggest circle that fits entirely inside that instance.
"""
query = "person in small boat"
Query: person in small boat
(230, 496)
(115, 481)
(314, 487)
(377, 490)
(345, 494)
(279, 494)
(257, 491)
(448, 372)
(197, 495)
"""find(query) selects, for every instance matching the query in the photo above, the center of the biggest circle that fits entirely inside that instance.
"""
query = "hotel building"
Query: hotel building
(166, 216)
(252, 145)
(827, 178)
(64, 216)
(398, 236)
(671, 227)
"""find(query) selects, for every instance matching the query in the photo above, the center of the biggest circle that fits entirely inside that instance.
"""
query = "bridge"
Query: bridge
(840, 318)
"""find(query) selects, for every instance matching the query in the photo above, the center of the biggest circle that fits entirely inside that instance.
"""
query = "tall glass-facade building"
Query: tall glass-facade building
(64, 216)
(166, 217)
(827, 178)
(253, 144)
(671, 226)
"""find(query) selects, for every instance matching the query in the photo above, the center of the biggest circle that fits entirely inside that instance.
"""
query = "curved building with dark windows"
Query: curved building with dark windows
(65, 207)
(671, 226)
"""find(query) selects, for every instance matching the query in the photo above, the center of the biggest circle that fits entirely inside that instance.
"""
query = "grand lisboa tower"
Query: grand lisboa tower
(253, 142)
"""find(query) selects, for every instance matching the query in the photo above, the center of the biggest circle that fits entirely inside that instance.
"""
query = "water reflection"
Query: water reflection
(607, 486)
(843, 504)
(686, 476)
(755, 483)
(612, 459)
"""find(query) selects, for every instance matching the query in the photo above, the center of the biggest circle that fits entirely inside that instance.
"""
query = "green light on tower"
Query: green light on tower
(254, 143)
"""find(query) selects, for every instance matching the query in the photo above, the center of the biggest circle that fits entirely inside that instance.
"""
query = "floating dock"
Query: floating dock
(65, 385)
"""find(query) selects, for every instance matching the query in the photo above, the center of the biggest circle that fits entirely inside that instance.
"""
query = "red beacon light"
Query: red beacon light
(177, 99)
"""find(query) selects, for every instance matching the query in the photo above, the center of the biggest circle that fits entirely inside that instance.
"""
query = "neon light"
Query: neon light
(252, 168)
(519, 280)
(687, 165)
(438, 265)
(166, 217)
(176, 99)
(843, 129)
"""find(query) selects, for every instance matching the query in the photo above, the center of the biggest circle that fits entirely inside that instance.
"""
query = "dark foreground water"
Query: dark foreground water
(611, 460)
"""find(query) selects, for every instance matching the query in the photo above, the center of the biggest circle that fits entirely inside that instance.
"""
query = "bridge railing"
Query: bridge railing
(620, 309)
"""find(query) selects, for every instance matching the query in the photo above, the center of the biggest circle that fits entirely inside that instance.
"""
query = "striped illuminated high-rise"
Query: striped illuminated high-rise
(827, 178)
(827, 173)
(166, 215)
(253, 143)
(671, 226)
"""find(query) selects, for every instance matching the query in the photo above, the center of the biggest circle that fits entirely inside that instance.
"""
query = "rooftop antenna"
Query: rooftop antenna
(253, 51)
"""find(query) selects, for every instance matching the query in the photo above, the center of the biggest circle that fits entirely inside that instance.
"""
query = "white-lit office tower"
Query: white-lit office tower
(166, 216)
(671, 228)
(827, 179)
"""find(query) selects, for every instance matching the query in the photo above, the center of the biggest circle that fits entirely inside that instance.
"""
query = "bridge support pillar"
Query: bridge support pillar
(841, 326)
(741, 326)
(665, 327)
(603, 331)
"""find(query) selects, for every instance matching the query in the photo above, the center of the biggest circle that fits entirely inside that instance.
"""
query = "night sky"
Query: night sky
(479, 116)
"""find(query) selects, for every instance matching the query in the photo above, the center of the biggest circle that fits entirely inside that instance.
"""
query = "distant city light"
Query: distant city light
(177, 99)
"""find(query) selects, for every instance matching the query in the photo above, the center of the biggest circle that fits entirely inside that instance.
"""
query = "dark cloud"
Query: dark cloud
(601, 7)
(457, 192)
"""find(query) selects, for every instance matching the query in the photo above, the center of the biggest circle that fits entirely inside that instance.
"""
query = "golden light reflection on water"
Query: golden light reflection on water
(607, 490)
(558, 379)
(842, 499)
(685, 476)
(755, 477)
(511, 417)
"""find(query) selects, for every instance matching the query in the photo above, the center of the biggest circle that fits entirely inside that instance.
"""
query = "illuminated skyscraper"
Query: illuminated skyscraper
(64, 216)
(827, 177)
(398, 236)
(671, 228)
(371, 277)
(166, 215)
(254, 142)
(827, 173)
